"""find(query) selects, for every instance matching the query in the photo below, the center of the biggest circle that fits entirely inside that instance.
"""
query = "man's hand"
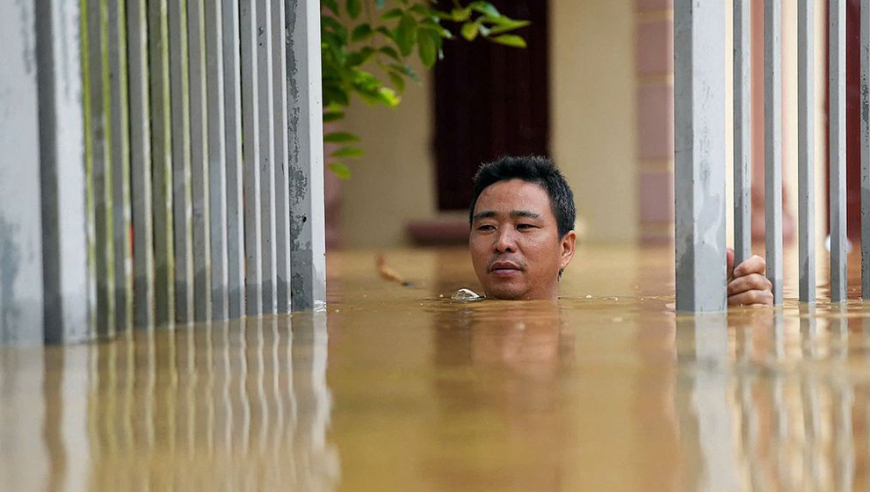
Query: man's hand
(747, 284)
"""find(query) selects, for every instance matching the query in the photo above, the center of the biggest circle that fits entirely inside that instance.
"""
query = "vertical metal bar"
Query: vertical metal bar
(305, 126)
(267, 150)
(161, 153)
(865, 149)
(120, 164)
(140, 164)
(806, 152)
(699, 104)
(742, 131)
(235, 181)
(251, 157)
(773, 144)
(217, 157)
(837, 83)
(100, 134)
(62, 163)
(198, 160)
(282, 183)
(21, 269)
(181, 170)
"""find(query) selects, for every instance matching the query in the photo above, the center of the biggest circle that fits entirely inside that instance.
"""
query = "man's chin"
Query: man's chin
(506, 294)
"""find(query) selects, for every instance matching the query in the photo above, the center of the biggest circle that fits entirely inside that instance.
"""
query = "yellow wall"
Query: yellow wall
(593, 135)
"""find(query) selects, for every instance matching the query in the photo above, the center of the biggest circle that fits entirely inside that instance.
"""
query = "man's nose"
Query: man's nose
(506, 242)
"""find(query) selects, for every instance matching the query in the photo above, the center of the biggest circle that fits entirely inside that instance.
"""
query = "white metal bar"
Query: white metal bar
(161, 153)
(67, 279)
(742, 131)
(699, 104)
(21, 295)
(282, 183)
(120, 119)
(235, 181)
(140, 163)
(181, 168)
(199, 165)
(865, 149)
(773, 144)
(251, 158)
(267, 151)
(837, 148)
(806, 152)
(305, 123)
(99, 134)
(217, 157)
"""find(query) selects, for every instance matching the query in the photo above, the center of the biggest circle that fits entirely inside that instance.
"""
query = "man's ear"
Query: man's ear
(569, 247)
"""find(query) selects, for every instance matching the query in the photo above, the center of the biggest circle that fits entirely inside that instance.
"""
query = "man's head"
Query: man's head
(522, 220)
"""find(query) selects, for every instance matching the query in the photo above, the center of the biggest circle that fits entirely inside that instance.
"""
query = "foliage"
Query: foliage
(366, 46)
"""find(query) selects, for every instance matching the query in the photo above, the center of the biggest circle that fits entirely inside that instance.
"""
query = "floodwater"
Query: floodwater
(402, 389)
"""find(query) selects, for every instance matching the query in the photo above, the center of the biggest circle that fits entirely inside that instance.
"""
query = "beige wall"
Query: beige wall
(594, 112)
(593, 135)
(395, 180)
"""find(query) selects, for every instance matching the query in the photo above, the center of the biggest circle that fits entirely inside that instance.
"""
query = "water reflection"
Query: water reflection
(228, 407)
(775, 401)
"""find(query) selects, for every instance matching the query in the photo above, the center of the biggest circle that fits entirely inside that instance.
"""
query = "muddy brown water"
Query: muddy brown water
(396, 388)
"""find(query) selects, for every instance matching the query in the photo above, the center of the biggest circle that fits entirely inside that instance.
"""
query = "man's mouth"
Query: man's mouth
(504, 268)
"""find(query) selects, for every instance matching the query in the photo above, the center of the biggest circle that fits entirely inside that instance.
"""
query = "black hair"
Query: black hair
(533, 169)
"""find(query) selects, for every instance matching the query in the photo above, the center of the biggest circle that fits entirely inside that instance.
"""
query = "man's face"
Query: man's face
(515, 245)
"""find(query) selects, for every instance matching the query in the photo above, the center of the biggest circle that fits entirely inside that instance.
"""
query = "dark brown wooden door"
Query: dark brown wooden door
(853, 119)
(490, 100)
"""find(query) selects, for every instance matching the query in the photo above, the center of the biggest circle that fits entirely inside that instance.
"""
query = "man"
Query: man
(522, 235)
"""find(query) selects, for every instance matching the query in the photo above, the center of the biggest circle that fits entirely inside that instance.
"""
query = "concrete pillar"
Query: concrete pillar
(699, 104)
(305, 107)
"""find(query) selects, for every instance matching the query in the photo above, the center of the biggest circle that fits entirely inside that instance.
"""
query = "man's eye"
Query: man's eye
(486, 227)
(526, 226)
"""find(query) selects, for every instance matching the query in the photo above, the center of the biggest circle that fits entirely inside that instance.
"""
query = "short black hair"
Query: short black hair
(534, 169)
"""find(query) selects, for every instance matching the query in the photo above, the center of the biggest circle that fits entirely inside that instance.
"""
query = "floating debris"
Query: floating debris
(388, 273)
(466, 295)
(588, 296)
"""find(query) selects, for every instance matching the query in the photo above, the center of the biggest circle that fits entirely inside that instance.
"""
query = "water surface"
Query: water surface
(396, 388)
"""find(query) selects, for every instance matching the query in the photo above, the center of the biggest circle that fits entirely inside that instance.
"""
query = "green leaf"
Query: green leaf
(398, 81)
(469, 30)
(340, 137)
(510, 40)
(348, 152)
(393, 14)
(388, 96)
(407, 70)
(485, 8)
(353, 8)
(331, 5)
(360, 57)
(460, 15)
(392, 53)
(331, 116)
(438, 28)
(385, 33)
(361, 32)
(332, 25)
(334, 95)
(406, 34)
(508, 25)
(431, 13)
(340, 170)
(428, 44)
